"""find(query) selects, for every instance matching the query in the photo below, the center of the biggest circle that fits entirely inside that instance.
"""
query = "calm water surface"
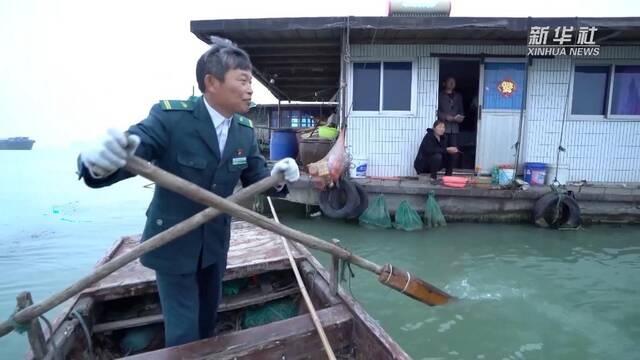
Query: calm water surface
(527, 293)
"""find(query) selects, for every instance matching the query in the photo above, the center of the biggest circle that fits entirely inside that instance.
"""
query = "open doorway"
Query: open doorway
(466, 72)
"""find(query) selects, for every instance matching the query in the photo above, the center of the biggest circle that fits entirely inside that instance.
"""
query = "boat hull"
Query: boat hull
(126, 302)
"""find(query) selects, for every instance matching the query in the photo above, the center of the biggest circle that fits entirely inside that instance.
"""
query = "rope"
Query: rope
(390, 273)
(50, 341)
(19, 327)
(560, 148)
(85, 329)
(344, 266)
(407, 284)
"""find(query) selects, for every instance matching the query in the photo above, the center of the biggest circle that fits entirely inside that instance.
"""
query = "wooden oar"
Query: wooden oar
(197, 220)
(303, 290)
(389, 275)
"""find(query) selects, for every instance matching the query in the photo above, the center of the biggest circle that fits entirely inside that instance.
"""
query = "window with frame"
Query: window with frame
(590, 85)
(606, 91)
(382, 86)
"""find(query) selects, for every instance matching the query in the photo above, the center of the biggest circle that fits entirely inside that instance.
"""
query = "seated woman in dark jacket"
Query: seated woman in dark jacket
(433, 155)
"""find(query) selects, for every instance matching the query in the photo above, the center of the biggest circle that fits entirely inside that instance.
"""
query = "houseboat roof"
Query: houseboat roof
(299, 58)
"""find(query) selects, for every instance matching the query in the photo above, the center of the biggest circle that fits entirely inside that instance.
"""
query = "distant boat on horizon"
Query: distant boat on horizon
(16, 143)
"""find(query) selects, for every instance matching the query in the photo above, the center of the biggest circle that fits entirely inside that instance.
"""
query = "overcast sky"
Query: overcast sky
(70, 69)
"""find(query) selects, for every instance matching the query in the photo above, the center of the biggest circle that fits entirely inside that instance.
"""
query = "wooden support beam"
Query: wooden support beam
(295, 54)
(35, 333)
(293, 338)
(265, 62)
(232, 303)
(290, 44)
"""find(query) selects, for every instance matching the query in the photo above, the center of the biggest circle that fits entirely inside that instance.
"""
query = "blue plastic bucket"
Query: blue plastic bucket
(535, 173)
(284, 143)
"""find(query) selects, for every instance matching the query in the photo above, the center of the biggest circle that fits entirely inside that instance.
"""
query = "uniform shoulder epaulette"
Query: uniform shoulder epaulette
(177, 105)
(244, 121)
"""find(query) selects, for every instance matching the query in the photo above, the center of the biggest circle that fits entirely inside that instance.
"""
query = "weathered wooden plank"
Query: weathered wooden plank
(252, 251)
(293, 338)
(128, 323)
(228, 304)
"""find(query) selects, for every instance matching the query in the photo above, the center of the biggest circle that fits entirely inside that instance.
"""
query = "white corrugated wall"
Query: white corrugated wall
(391, 142)
(606, 150)
(596, 150)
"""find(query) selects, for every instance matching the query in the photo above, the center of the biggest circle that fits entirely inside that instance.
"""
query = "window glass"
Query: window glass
(396, 92)
(625, 98)
(590, 90)
(366, 86)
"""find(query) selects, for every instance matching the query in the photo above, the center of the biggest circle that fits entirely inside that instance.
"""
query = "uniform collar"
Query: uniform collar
(216, 117)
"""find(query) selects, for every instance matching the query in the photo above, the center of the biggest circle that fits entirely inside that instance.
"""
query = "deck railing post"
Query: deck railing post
(35, 333)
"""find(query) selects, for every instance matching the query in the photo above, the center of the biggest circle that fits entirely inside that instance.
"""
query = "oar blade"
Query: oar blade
(413, 286)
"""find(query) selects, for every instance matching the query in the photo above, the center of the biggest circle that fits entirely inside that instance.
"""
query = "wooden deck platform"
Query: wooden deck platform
(252, 250)
(606, 203)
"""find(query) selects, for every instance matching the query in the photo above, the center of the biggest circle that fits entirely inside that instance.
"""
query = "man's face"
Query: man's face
(450, 84)
(234, 94)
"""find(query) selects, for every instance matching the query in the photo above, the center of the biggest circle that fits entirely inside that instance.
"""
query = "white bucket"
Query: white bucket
(358, 167)
(563, 174)
(505, 176)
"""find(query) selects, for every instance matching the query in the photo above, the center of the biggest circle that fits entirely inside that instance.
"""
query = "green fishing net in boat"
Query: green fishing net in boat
(137, 339)
(376, 215)
(272, 311)
(432, 214)
(407, 219)
(233, 287)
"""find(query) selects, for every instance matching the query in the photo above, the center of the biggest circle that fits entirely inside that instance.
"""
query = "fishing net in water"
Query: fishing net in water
(432, 214)
(376, 215)
(407, 219)
(272, 311)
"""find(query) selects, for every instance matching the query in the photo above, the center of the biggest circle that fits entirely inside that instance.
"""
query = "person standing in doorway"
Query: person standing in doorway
(451, 111)
(204, 141)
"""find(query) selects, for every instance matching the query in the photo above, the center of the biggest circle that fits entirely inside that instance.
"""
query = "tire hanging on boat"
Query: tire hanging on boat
(363, 202)
(340, 201)
(557, 210)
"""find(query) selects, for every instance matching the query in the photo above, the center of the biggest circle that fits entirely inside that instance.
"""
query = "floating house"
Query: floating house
(560, 91)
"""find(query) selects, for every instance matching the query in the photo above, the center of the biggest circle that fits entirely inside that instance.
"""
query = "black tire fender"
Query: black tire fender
(340, 201)
(545, 207)
(363, 204)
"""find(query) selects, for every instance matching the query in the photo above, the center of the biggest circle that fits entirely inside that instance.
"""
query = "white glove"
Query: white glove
(289, 167)
(110, 154)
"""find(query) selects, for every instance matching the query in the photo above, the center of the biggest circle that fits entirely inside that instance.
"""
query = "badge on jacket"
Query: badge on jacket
(240, 159)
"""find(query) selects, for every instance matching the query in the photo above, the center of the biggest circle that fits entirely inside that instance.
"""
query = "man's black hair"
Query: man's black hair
(223, 56)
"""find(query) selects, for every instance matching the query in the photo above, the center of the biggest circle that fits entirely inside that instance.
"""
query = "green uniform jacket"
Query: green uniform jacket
(179, 137)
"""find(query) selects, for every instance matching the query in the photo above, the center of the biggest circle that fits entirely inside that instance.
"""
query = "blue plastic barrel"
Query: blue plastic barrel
(535, 173)
(284, 143)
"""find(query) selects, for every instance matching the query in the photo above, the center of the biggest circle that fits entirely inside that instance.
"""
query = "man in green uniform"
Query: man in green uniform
(204, 141)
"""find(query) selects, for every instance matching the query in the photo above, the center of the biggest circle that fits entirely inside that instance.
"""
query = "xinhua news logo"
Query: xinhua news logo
(563, 41)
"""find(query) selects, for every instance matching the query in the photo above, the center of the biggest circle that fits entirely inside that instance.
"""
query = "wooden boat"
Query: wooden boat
(120, 316)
